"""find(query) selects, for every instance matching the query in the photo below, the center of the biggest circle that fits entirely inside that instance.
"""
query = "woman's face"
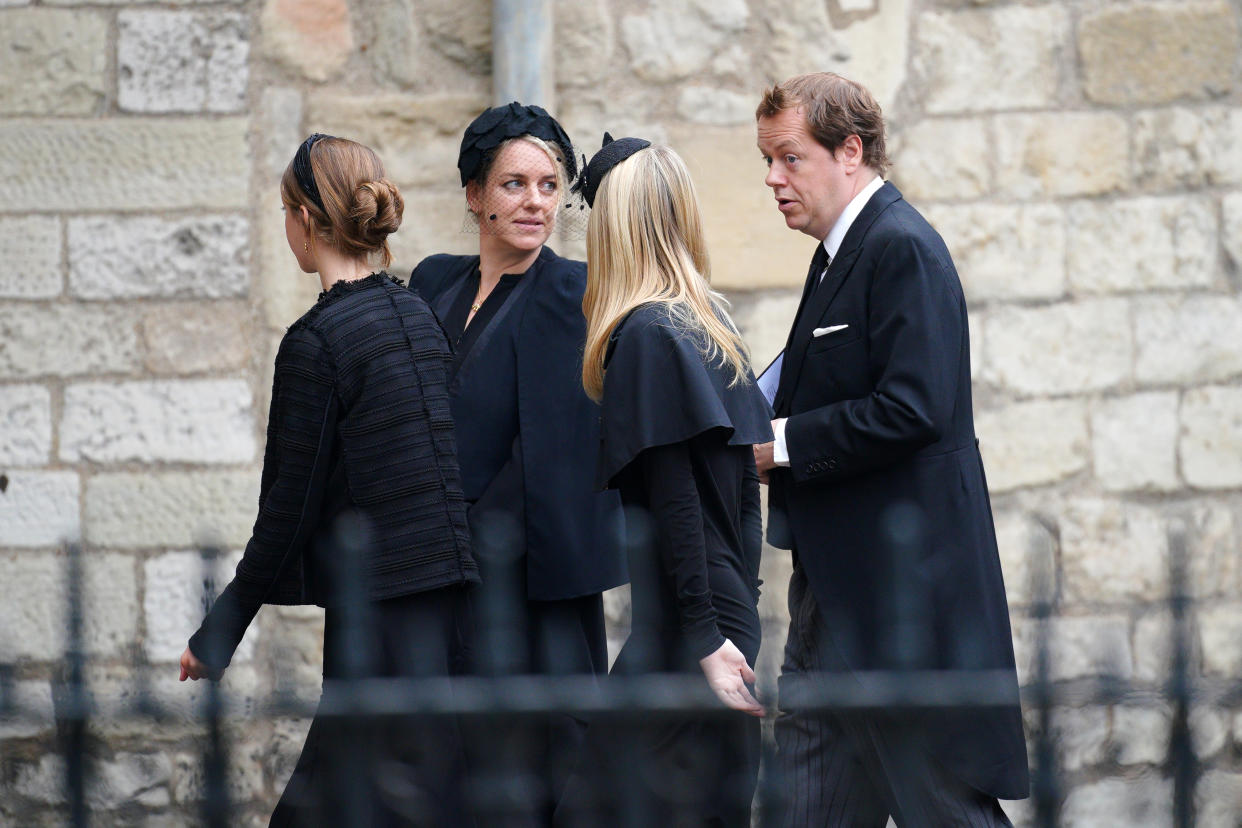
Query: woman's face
(517, 204)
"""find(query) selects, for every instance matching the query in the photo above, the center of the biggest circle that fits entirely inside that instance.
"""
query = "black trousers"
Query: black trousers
(858, 769)
(405, 771)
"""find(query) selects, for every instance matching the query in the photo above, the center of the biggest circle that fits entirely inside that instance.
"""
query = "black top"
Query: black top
(527, 433)
(463, 336)
(677, 443)
(359, 424)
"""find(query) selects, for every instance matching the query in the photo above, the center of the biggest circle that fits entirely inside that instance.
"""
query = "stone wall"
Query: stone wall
(1081, 157)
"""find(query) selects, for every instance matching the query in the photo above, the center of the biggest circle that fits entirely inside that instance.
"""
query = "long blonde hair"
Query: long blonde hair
(645, 244)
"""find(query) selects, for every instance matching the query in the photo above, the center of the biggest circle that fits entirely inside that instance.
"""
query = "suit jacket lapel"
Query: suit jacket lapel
(815, 303)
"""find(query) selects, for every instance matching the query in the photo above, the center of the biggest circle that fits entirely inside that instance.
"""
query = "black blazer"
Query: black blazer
(573, 534)
(885, 502)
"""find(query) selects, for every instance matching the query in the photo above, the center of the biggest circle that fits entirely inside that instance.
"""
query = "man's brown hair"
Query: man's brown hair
(835, 108)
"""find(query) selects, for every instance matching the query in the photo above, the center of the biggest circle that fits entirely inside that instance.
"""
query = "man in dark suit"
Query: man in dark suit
(877, 486)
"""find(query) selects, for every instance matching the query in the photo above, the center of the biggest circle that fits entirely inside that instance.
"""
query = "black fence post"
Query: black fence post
(1044, 788)
(72, 713)
(216, 807)
(1181, 756)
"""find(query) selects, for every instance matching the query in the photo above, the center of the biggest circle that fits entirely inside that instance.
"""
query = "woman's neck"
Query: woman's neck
(335, 267)
(497, 258)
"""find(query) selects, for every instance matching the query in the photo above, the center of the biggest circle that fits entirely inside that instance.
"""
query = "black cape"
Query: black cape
(661, 390)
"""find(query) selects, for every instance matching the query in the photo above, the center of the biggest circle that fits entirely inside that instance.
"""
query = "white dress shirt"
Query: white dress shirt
(832, 243)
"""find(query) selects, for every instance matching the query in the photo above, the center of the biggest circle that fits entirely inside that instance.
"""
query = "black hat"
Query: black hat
(610, 155)
(501, 123)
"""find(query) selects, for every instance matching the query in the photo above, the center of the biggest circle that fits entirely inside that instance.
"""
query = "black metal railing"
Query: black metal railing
(359, 701)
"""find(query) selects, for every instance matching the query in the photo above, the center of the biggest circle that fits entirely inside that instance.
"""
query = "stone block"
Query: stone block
(35, 627)
(751, 248)
(1153, 646)
(1028, 558)
(1005, 252)
(1218, 799)
(1060, 349)
(1187, 339)
(39, 508)
(1078, 647)
(1134, 442)
(1033, 443)
(179, 509)
(280, 125)
(461, 30)
(1220, 638)
(722, 107)
(1213, 566)
(25, 425)
(195, 338)
(1113, 552)
(124, 164)
(442, 217)
(1080, 735)
(284, 291)
(1142, 244)
(1181, 147)
(585, 42)
(30, 248)
(674, 40)
(244, 782)
(194, 421)
(982, 60)
(943, 158)
(175, 600)
(43, 781)
(1141, 734)
(764, 319)
(800, 37)
(130, 777)
(1120, 803)
(1211, 437)
(146, 256)
(35, 714)
(182, 61)
(1061, 154)
(418, 137)
(1158, 52)
(310, 37)
(61, 59)
(1209, 730)
(1231, 227)
(86, 340)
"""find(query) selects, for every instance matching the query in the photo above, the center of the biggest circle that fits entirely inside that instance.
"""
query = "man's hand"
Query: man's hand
(192, 668)
(728, 674)
(764, 460)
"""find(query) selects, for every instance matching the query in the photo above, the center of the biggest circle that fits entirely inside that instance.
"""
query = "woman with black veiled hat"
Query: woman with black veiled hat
(547, 544)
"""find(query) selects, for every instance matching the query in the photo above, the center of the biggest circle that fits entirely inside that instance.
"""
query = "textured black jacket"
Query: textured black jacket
(359, 424)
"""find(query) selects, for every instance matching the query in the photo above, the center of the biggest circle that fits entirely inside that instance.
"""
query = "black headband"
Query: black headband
(501, 123)
(304, 174)
(610, 155)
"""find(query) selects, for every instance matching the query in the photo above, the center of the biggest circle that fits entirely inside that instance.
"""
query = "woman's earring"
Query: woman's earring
(305, 247)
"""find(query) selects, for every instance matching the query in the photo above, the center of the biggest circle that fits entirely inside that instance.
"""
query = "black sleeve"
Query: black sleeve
(673, 499)
(296, 465)
(752, 517)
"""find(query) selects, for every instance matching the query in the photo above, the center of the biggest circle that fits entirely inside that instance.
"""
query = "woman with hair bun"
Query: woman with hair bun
(680, 413)
(547, 544)
(360, 504)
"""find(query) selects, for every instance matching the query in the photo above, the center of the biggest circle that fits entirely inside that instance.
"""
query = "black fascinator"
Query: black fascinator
(501, 123)
(612, 153)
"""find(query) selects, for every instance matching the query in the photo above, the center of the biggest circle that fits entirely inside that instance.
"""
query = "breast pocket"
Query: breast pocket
(836, 339)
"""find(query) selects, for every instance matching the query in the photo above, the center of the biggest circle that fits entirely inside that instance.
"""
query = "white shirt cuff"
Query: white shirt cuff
(780, 452)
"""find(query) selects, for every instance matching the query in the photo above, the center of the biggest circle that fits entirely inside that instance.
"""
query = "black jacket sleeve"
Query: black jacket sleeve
(676, 513)
(752, 518)
(914, 338)
(296, 465)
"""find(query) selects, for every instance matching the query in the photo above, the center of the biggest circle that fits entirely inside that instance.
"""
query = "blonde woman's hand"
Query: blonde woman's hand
(192, 668)
(728, 674)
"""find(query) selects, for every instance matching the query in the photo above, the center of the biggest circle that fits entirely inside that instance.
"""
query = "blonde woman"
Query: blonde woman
(680, 414)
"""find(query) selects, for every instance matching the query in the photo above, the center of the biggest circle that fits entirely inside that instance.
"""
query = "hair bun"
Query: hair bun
(376, 210)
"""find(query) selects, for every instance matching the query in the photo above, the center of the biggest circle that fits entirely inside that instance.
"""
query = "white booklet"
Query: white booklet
(771, 378)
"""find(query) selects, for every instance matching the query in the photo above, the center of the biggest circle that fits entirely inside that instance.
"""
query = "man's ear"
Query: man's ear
(850, 153)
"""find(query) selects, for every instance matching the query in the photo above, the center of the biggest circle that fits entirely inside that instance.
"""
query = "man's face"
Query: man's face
(810, 184)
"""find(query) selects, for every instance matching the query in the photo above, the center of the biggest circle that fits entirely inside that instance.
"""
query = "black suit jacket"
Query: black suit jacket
(572, 534)
(885, 502)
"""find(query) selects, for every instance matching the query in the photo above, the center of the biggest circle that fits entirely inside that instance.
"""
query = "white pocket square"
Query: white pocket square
(818, 332)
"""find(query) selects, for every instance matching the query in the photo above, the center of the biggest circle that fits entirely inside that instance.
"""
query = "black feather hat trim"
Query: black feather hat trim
(501, 123)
